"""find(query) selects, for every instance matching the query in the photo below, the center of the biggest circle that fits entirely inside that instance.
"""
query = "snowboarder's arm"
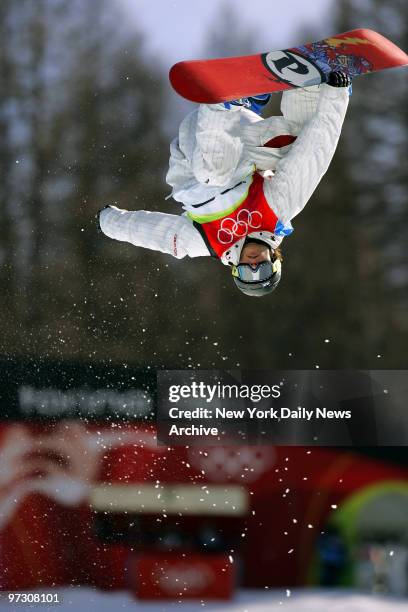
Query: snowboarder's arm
(172, 234)
(300, 171)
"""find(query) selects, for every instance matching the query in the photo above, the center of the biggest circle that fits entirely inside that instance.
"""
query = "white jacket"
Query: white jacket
(216, 149)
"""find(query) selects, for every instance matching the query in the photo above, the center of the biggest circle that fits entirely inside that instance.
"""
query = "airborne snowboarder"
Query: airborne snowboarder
(241, 179)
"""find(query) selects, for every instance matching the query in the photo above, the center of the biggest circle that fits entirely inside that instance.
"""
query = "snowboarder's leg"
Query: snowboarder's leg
(299, 105)
(218, 144)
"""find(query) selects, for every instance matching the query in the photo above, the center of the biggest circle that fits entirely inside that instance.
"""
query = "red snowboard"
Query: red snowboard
(219, 80)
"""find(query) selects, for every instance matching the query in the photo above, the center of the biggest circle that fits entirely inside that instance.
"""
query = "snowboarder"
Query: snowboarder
(241, 179)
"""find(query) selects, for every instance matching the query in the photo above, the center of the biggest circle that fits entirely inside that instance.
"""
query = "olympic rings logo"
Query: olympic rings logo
(220, 463)
(240, 226)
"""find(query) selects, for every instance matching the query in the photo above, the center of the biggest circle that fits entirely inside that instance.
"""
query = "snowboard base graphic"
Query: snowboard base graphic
(219, 80)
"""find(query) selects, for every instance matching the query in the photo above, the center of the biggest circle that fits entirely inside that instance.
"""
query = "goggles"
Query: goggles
(255, 274)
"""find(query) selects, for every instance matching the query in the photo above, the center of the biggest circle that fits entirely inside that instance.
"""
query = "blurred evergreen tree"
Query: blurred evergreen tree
(375, 136)
(81, 121)
(229, 36)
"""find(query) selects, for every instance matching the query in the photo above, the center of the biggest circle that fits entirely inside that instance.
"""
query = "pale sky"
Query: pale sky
(176, 29)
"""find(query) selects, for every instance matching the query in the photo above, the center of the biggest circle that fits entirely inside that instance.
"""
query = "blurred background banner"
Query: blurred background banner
(51, 390)
(101, 504)
(88, 498)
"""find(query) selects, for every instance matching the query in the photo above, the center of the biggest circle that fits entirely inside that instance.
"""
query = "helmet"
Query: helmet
(258, 281)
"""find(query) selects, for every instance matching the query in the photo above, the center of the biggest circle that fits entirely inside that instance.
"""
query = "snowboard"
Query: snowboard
(220, 80)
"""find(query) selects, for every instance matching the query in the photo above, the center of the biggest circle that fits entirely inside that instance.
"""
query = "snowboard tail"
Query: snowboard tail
(220, 80)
